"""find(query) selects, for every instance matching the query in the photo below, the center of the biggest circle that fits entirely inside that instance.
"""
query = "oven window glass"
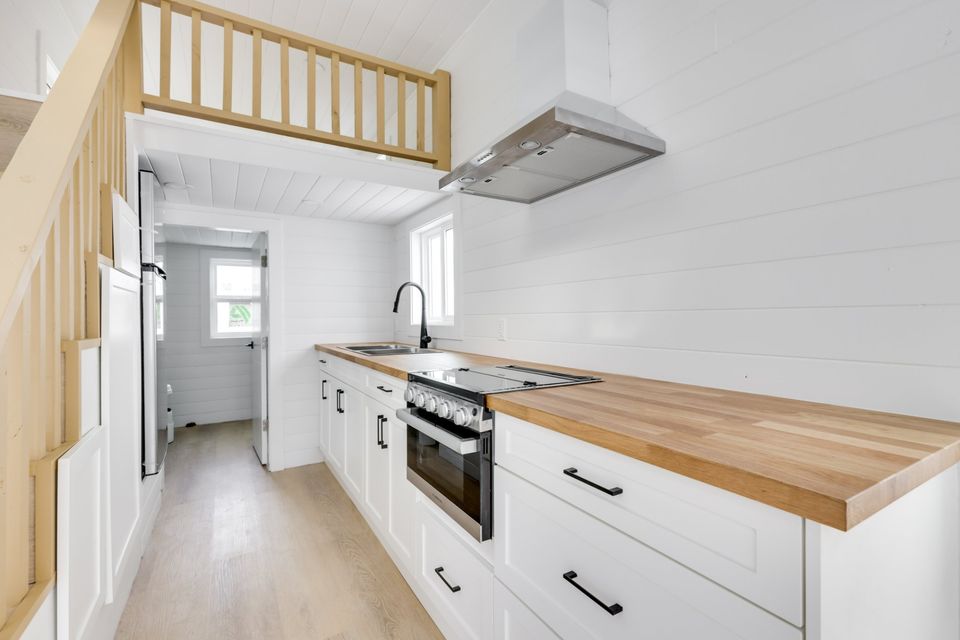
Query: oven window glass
(455, 476)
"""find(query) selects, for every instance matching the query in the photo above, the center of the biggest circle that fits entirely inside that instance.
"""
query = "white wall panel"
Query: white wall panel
(795, 240)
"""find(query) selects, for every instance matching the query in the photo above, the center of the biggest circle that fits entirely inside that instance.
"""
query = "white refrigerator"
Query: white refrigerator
(153, 279)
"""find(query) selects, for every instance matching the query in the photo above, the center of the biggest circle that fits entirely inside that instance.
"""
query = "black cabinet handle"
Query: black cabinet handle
(572, 472)
(323, 390)
(384, 389)
(381, 420)
(439, 572)
(249, 345)
(339, 406)
(323, 362)
(612, 609)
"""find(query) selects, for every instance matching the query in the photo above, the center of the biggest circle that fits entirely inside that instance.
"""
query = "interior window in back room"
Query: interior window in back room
(432, 266)
(234, 300)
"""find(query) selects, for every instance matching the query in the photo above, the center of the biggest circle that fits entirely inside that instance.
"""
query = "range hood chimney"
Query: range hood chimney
(575, 140)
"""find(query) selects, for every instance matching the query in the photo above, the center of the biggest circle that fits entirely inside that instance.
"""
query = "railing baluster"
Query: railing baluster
(380, 114)
(335, 93)
(284, 81)
(195, 51)
(357, 99)
(421, 115)
(311, 87)
(227, 65)
(257, 68)
(165, 49)
(441, 121)
(401, 109)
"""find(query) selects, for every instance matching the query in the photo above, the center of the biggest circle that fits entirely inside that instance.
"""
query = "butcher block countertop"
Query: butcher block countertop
(834, 465)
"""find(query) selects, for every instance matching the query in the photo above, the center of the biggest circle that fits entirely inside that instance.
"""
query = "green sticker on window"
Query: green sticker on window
(239, 315)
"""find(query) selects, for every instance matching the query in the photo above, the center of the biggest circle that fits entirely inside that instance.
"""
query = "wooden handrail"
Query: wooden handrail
(438, 82)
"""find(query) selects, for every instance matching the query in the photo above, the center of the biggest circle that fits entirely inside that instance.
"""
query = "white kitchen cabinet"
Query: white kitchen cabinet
(376, 484)
(337, 425)
(588, 580)
(403, 495)
(748, 547)
(326, 409)
(459, 584)
(512, 620)
(351, 406)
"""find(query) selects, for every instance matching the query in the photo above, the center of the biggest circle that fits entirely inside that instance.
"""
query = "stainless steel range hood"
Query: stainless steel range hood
(574, 141)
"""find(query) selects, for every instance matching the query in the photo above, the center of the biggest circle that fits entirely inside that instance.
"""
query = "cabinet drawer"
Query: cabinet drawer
(588, 580)
(512, 619)
(748, 547)
(459, 582)
(386, 389)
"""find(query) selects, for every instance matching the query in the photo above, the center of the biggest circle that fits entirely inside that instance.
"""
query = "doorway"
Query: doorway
(214, 328)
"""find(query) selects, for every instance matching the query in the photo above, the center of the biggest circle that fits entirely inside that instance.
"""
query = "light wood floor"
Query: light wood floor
(238, 552)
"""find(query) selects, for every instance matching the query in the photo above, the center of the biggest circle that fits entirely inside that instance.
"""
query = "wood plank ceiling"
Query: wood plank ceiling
(206, 182)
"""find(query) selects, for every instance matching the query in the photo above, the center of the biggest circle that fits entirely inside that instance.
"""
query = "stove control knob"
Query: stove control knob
(409, 394)
(421, 399)
(460, 417)
(444, 410)
(431, 405)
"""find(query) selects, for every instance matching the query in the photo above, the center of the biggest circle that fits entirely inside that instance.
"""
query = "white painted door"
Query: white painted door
(377, 464)
(260, 420)
(403, 496)
(352, 404)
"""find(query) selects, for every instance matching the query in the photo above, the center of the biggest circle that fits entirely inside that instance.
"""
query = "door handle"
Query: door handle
(384, 389)
(339, 406)
(249, 344)
(381, 420)
(439, 572)
(612, 609)
(323, 390)
(572, 472)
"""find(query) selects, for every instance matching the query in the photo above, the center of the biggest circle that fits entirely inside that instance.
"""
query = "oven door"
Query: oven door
(452, 466)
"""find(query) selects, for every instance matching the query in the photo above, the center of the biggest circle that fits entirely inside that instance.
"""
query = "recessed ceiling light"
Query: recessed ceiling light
(177, 186)
(529, 145)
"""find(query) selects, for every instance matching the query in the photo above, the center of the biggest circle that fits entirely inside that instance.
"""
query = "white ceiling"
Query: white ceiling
(177, 234)
(226, 184)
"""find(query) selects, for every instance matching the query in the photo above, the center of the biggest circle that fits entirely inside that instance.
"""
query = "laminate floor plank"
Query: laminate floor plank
(238, 552)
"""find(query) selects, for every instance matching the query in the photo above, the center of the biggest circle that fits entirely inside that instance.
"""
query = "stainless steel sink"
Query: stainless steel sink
(389, 349)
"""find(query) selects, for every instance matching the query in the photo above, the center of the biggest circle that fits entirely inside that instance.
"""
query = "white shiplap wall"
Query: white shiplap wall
(800, 237)
(210, 383)
(337, 288)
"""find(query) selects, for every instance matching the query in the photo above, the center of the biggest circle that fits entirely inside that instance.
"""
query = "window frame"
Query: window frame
(420, 239)
(409, 323)
(209, 259)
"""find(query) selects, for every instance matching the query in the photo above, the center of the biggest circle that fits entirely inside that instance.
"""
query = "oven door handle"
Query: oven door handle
(463, 446)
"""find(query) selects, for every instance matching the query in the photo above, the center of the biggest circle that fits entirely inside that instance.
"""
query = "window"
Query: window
(234, 298)
(432, 266)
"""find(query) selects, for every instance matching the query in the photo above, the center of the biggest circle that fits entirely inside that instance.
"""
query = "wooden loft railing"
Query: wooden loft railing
(339, 59)
(50, 207)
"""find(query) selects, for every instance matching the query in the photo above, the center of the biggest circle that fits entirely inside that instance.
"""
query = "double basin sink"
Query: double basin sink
(389, 349)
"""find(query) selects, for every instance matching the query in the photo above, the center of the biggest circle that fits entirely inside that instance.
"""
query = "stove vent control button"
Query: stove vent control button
(461, 417)
(421, 399)
(409, 394)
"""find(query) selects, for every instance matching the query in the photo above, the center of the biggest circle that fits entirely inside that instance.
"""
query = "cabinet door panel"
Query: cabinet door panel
(352, 405)
(376, 492)
(403, 496)
(338, 425)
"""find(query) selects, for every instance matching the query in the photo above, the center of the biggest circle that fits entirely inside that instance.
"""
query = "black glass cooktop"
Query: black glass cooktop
(498, 379)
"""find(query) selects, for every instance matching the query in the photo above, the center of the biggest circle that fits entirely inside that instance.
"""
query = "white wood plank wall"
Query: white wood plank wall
(800, 237)
(337, 289)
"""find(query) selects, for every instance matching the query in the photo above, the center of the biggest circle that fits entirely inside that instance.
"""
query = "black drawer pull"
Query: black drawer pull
(384, 389)
(323, 362)
(612, 609)
(339, 406)
(323, 390)
(439, 572)
(572, 472)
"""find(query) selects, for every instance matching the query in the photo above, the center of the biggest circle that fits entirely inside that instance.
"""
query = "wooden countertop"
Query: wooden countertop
(834, 465)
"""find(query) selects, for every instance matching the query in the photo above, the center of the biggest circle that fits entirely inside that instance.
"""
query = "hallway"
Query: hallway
(238, 552)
